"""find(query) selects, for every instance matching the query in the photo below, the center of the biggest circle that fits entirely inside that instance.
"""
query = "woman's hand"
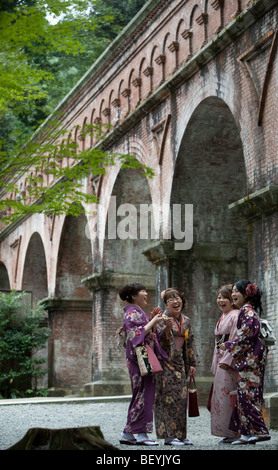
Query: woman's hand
(156, 311)
(155, 319)
(222, 347)
(169, 323)
(192, 370)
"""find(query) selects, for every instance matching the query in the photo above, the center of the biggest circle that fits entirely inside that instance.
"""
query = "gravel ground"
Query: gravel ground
(16, 419)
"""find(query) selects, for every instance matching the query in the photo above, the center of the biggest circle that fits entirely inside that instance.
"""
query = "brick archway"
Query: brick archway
(123, 262)
(210, 174)
(4, 277)
(70, 310)
(34, 276)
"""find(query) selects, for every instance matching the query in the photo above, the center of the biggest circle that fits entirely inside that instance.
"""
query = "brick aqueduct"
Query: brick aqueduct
(190, 88)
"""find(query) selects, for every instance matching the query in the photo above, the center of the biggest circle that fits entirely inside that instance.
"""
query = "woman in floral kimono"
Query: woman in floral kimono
(223, 369)
(250, 358)
(177, 339)
(138, 327)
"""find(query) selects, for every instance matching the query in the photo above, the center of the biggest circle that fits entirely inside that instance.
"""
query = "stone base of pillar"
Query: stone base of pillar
(203, 385)
(107, 388)
(270, 410)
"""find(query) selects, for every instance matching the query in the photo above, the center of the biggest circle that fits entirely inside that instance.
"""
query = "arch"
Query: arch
(4, 277)
(84, 134)
(156, 63)
(92, 137)
(144, 79)
(210, 152)
(34, 276)
(114, 107)
(74, 260)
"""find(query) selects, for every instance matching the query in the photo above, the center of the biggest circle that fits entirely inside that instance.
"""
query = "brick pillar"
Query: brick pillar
(70, 343)
(199, 272)
(110, 376)
(260, 211)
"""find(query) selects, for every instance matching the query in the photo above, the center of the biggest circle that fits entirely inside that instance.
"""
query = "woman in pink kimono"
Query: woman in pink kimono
(223, 369)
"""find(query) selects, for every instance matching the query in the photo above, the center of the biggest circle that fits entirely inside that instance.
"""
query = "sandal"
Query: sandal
(228, 440)
(255, 439)
(242, 442)
(174, 442)
(129, 442)
(147, 442)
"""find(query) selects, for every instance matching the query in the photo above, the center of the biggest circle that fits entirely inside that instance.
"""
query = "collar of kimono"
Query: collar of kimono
(179, 327)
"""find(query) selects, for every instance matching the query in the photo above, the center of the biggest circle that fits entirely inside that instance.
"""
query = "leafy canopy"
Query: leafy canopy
(37, 39)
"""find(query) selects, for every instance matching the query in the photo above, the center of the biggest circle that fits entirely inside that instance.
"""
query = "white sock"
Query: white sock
(142, 436)
(127, 435)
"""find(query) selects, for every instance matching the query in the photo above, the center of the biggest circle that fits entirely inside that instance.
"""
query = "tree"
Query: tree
(21, 336)
(31, 47)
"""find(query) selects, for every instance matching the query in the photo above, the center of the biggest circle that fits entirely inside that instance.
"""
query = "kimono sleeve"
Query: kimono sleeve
(191, 357)
(227, 357)
(134, 326)
(248, 330)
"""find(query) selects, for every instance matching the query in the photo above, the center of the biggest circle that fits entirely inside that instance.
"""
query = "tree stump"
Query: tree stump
(86, 438)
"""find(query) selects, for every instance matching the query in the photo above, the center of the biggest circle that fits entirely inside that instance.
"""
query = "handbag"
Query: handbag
(193, 405)
(147, 360)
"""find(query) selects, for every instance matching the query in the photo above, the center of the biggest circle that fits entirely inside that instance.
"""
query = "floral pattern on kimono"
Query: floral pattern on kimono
(140, 411)
(250, 359)
(225, 380)
(171, 390)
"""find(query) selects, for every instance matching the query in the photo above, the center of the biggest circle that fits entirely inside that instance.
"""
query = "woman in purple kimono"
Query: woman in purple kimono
(138, 327)
(223, 369)
(250, 359)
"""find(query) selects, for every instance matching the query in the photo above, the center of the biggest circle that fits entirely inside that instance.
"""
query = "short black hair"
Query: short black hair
(128, 291)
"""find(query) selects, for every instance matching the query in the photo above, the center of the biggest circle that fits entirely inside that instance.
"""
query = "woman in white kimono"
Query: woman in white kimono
(225, 374)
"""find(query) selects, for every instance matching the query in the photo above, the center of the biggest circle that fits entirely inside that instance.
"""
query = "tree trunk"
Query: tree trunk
(86, 438)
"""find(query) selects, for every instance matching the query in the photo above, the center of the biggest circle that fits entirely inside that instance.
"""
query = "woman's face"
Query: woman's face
(174, 305)
(141, 299)
(238, 297)
(224, 304)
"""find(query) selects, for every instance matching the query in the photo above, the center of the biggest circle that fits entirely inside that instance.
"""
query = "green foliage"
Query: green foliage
(40, 61)
(21, 335)
(66, 195)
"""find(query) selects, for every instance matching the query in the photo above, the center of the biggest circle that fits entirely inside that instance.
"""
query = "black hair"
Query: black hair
(254, 299)
(128, 291)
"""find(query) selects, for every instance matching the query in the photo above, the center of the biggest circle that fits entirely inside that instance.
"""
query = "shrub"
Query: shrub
(21, 336)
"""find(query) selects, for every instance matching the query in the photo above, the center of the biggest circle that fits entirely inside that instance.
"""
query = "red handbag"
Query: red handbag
(192, 405)
(155, 364)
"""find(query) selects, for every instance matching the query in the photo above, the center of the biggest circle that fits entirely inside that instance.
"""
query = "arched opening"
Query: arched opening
(128, 232)
(34, 282)
(129, 226)
(210, 174)
(74, 258)
(35, 271)
(70, 311)
(4, 277)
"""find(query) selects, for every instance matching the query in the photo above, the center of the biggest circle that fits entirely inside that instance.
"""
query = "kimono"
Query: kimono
(250, 359)
(140, 411)
(171, 390)
(225, 380)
